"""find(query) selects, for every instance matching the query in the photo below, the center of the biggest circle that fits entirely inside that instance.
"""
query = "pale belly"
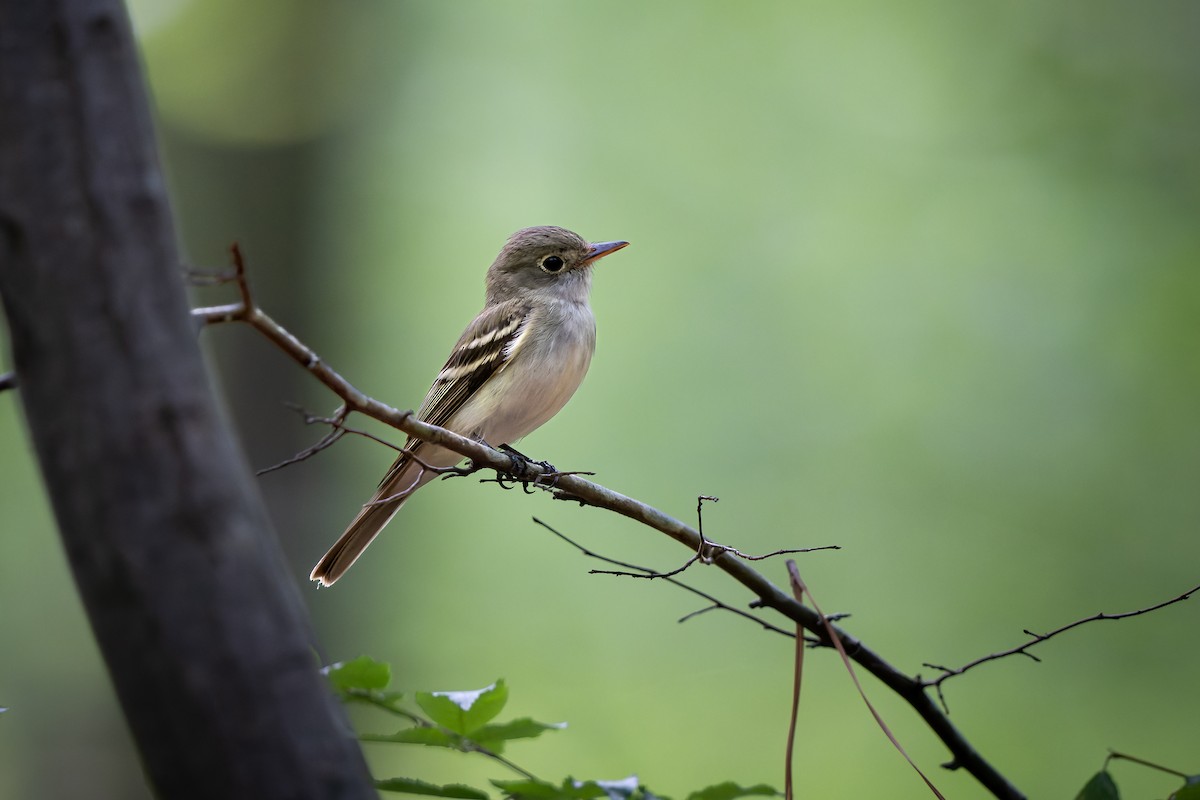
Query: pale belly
(520, 410)
(523, 395)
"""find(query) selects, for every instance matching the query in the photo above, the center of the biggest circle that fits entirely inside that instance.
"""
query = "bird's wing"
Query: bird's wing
(484, 348)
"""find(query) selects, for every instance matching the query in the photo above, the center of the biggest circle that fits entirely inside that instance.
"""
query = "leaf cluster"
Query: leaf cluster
(464, 721)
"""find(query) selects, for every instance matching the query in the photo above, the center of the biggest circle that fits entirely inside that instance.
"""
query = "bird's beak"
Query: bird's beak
(601, 249)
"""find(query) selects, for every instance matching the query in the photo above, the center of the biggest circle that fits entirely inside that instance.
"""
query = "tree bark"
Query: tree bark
(201, 628)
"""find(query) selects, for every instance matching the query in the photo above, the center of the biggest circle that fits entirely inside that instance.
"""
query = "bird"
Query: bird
(514, 367)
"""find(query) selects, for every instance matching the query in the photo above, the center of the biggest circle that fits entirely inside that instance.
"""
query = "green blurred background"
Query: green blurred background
(917, 279)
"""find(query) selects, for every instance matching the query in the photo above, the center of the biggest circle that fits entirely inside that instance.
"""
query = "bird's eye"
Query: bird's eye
(552, 264)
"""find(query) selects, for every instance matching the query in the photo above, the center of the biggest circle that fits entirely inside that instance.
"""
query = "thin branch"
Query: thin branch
(1113, 755)
(386, 703)
(1038, 638)
(339, 426)
(784, 552)
(335, 433)
(700, 512)
(707, 550)
(326, 441)
(716, 604)
(647, 574)
(705, 553)
(478, 748)
(577, 489)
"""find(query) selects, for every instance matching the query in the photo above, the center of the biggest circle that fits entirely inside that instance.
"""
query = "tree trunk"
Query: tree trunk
(201, 628)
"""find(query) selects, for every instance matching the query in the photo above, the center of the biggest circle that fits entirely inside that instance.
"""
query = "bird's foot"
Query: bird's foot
(520, 472)
(521, 462)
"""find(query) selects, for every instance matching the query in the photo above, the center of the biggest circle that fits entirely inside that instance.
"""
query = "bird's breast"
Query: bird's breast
(546, 367)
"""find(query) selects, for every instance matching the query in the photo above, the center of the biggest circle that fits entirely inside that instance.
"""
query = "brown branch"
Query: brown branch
(707, 551)
(248, 311)
(575, 488)
(705, 554)
(782, 552)
(338, 429)
(715, 603)
(648, 574)
(336, 432)
(1038, 638)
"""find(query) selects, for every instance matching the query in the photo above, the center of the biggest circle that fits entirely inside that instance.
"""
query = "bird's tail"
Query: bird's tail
(404, 478)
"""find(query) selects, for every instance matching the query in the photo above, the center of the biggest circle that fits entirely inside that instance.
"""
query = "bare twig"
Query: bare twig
(707, 550)
(716, 604)
(700, 522)
(585, 492)
(328, 440)
(647, 574)
(1038, 638)
(784, 552)
(1113, 755)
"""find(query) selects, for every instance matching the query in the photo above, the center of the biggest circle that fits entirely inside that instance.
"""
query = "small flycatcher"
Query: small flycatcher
(514, 367)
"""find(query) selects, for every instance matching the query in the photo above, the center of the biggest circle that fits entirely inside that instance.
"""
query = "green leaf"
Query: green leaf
(1100, 787)
(432, 737)
(583, 790)
(464, 712)
(540, 790)
(413, 786)
(730, 790)
(1190, 790)
(363, 672)
(534, 789)
(523, 728)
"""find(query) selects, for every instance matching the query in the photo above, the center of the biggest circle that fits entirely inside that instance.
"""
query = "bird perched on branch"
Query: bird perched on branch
(514, 367)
